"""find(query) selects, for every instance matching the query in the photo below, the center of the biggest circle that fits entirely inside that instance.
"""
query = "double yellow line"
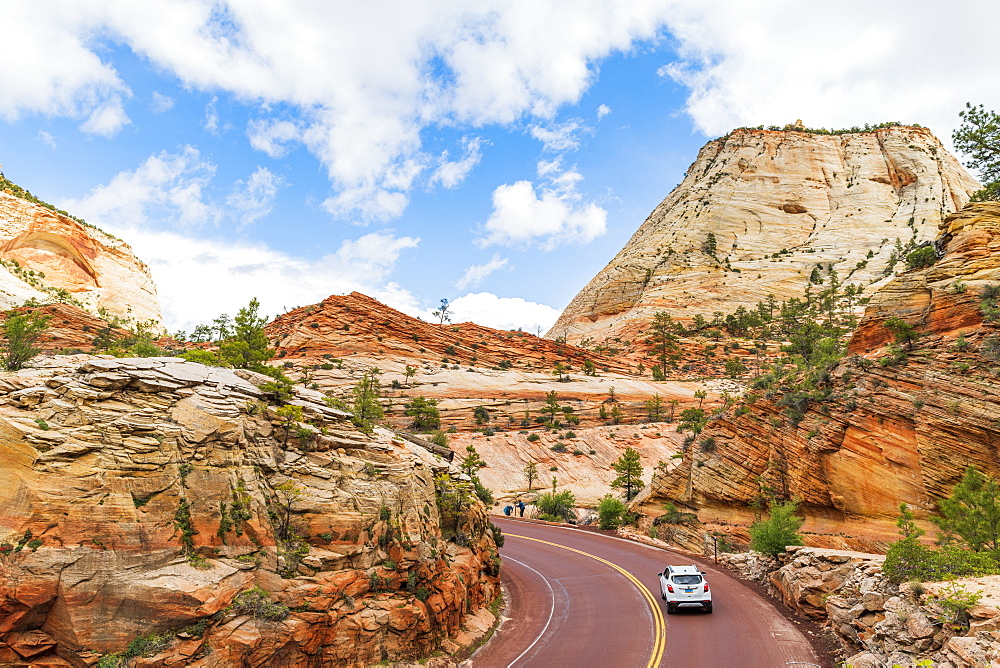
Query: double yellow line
(659, 644)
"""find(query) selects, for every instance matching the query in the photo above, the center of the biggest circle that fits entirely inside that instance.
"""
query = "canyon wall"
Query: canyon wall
(170, 508)
(780, 205)
(49, 256)
(899, 425)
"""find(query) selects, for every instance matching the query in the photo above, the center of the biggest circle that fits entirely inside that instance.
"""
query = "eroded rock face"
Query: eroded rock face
(780, 204)
(353, 324)
(878, 623)
(94, 268)
(143, 495)
(895, 429)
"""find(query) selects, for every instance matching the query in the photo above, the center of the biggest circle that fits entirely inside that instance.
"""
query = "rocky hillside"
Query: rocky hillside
(779, 205)
(900, 423)
(46, 255)
(345, 325)
(157, 507)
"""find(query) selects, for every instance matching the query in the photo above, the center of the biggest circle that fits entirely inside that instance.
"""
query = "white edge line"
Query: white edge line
(552, 610)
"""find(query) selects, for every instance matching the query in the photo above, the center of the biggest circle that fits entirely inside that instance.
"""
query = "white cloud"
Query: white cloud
(198, 278)
(211, 122)
(46, 138)
(776, 61)
(475, 274)
(166, 188)
(560, 136)
(451, 173)
(161, 103)
(254, 199)
(603, 111)
(107, 119)
(360, 81)
(272, 137)
(489, 310)
(553, 215)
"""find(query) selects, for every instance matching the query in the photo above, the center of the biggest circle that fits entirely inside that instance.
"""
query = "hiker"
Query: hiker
(507, 510)
(520, 506)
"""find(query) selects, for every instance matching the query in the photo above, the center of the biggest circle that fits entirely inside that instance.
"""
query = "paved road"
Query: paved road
(581, 599)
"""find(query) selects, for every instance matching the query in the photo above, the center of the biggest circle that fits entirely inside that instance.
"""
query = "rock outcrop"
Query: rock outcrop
(780, 205)
(355, 324)
(898, 425)
(173, 509)
(48, 256)
(880, 624)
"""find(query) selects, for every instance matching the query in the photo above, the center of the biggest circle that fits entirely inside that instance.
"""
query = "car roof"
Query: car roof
(684, 570)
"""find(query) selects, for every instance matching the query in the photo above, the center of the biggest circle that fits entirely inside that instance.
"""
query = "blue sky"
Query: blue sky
(496, 154)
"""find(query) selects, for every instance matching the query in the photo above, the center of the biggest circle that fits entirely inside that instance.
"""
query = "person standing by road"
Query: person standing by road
(520, 507)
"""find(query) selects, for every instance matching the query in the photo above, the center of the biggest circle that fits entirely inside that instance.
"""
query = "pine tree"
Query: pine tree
(629, 470)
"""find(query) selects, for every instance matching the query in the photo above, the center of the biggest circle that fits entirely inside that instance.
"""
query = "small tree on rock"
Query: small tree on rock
(21, 334)
(530, 473)
(781, 529)
(629, 470)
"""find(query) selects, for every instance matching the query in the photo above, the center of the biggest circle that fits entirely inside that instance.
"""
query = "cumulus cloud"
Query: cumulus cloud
(167, 188)
(360, 83)
(254, 199)
(200, 278)
(767, 63)
(489, 310)
(273, 136)
(603, 111)
(475, 274)
(551, 215)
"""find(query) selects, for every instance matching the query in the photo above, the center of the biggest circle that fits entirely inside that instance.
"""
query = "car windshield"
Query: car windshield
(687, 579)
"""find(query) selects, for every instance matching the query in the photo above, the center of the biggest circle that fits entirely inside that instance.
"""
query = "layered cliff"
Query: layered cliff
(47, 255)
(900, 424)
(779, 206)
(152, 506)
(356, 324)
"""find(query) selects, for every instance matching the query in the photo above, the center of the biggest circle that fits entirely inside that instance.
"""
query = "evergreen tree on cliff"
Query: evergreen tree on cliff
(629, 470)
(247, 347)
(979, 138)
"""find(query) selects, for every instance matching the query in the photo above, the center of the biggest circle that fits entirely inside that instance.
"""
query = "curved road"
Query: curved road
(578, 598)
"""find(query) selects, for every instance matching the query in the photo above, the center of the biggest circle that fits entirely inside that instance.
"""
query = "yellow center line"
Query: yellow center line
(659, 644)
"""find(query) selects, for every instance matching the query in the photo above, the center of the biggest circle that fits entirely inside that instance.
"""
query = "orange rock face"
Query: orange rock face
(54, 252)
(343, 325)
(896, 429)
(143, 496)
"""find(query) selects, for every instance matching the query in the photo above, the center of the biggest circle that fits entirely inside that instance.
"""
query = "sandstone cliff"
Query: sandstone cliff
(49, 256)
(354, 324)
(899, 425)
(780, 205)
(169, 503)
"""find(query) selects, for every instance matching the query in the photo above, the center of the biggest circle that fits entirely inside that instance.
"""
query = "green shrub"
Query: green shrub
(258, 604)
(922, 257)
(533, 437)
(559, 447)
(609, 511)
(558, 505)
(773, 535)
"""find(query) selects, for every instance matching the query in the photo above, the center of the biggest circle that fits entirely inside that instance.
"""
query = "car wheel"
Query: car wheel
(708, 608)
(671, 608)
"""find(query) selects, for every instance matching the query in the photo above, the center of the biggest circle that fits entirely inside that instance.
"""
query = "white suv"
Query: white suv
(684, 585)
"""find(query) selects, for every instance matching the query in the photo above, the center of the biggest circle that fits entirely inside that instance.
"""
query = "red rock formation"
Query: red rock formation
(143, 496)
(50, 255)
(896, 429)
(343, 325)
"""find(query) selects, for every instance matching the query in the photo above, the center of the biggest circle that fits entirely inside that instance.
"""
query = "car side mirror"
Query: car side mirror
(660, 574)
(704, 573)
